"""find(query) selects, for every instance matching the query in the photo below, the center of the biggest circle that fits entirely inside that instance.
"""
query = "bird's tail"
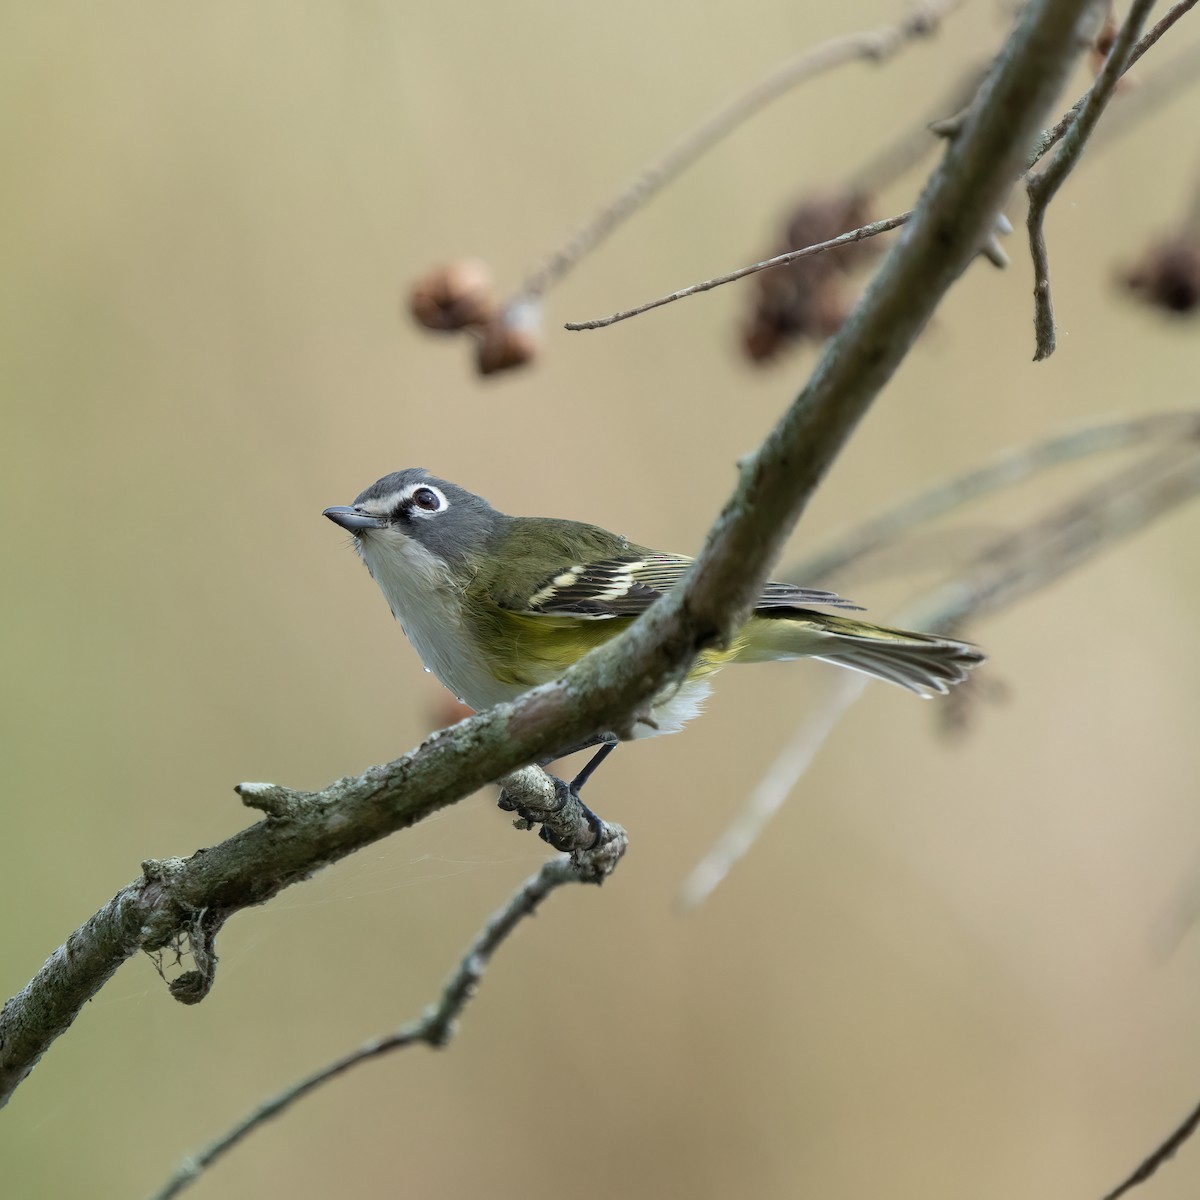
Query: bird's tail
(920, 662)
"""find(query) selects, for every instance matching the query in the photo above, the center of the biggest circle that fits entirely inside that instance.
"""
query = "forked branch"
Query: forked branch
(438, 1024)
(1071, 135)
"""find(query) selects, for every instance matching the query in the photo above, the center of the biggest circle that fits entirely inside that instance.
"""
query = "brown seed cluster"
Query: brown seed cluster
(808, 298)
(1101, 48)
(1168, 275)
(455, 296)
(461, 297)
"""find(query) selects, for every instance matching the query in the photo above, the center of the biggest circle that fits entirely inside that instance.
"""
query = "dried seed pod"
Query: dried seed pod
(1102, 46)
(511, 340)
(457, 295)
(807, 298)
(1168, 275)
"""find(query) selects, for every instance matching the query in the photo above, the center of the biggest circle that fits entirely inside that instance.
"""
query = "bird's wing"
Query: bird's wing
(627, 584)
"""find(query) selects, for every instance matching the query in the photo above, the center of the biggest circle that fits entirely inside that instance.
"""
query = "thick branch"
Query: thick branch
(612, 685)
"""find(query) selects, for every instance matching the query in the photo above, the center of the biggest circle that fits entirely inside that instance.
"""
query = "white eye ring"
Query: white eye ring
(428, 500)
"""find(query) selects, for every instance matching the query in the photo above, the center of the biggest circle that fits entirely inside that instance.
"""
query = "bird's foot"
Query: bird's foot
(565, 823)
(567, 794)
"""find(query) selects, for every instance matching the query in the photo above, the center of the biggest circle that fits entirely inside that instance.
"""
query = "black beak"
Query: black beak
(353, 519)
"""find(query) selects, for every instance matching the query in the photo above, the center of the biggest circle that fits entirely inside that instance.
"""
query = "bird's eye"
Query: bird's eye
(427, 499)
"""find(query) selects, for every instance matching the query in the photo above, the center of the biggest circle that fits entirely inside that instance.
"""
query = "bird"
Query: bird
(497, 604)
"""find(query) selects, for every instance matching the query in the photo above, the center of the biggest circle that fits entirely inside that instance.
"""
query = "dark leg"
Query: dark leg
(605, 750)
(599, 740)
(570, 791)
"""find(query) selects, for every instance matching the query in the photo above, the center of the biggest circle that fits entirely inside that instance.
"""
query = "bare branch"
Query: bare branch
(899, 156)
(1013, 567)
(1153, 91)
(1022, 562)
(855, 235)
(438, 1024)
(1161, 1154)
(1008, 469)
(607, 689)
(1043, 186)
(1054, 135)
(896, 158)
(772, 790)
(874, 46)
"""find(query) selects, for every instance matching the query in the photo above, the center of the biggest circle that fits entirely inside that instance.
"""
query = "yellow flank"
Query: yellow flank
(526, 649)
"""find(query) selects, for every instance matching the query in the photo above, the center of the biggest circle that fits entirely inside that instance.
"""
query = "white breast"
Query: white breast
(428, 605)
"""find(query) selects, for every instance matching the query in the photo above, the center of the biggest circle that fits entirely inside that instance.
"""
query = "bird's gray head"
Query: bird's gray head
(414, 507)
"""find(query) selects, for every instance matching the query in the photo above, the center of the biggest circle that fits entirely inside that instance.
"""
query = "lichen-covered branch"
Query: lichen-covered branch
(610, 687)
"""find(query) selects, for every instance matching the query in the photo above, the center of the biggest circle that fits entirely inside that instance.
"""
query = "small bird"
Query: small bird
(495, 605)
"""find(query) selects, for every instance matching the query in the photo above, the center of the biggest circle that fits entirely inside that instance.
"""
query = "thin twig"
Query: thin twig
(897, 158)
(772, 790)
(1179, 72)
(1008, 469)
(845, 239)
(1013, 567)
(438, 1024)
(1159, 28)
(1153, 91)
(1058, 131)
(1022, 562)
(1043, 185)
(871, 46)
(1160, 1155)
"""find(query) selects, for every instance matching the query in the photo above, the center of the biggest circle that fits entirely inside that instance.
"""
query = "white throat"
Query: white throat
(426, 601)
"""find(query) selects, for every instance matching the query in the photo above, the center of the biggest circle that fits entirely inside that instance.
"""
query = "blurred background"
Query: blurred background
(954, 966)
